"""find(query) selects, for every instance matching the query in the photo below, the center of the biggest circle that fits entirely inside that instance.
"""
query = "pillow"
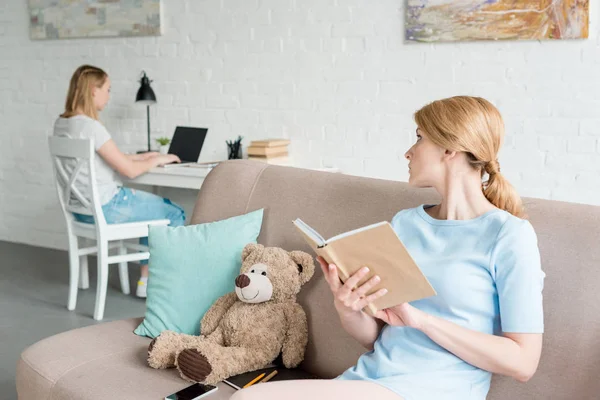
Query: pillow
(191, 267)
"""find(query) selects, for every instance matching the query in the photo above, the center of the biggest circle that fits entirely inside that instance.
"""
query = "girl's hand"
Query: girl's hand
(142, 156)
(163, 159)
(150, 154)
(348, 299)
(402, 315)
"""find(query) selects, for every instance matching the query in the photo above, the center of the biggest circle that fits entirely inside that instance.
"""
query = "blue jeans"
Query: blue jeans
(130, 205)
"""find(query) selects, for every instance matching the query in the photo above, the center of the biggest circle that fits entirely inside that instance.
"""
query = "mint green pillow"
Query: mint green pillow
(191, 267)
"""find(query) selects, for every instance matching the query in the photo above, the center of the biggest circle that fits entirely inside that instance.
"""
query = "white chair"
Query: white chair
(107, 236)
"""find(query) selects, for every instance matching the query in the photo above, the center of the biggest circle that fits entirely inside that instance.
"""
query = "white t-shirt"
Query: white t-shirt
(107, 179)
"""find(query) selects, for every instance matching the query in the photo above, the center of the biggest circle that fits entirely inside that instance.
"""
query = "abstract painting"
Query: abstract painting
(57, 19)
(456, 20)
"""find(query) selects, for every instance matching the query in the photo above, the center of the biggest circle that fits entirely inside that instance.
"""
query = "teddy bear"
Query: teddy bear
(249, 328)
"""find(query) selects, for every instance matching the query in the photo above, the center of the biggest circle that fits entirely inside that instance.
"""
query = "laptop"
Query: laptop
(186, 144)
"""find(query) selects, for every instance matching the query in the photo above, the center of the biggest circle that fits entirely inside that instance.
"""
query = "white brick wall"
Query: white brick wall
(334, 76)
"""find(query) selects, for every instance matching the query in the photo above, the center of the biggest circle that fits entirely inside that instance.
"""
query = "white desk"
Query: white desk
(181, 177)
(177, 177)
(174, 184)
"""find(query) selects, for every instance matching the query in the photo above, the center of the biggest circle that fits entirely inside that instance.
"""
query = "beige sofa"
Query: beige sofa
(108, 361)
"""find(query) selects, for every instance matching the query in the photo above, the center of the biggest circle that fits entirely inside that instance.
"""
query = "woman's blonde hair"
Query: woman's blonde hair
(474, 126)
(84, 79)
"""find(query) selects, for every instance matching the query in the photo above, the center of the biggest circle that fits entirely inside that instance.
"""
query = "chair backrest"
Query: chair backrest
(69, 157)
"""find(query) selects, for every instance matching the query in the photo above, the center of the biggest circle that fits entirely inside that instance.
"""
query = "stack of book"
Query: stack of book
(270, 151)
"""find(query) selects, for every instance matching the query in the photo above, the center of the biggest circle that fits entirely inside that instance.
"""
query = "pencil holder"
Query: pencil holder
(234, 149)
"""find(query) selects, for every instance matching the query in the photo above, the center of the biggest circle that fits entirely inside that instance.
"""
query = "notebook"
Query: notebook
(283, 374)
(378, 247)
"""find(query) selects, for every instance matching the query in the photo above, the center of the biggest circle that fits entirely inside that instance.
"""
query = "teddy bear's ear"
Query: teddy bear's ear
(251, 248)
(305, 263)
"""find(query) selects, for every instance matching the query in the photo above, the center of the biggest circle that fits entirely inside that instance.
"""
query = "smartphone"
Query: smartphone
(196, 391)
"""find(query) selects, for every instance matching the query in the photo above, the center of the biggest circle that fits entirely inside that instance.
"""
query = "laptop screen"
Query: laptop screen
(187, 143)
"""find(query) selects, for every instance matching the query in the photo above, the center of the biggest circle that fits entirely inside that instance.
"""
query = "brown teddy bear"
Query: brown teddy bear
(247, 329)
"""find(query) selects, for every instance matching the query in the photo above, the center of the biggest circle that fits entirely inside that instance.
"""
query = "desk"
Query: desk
(174, 184)
(181, 177)
(177, 177)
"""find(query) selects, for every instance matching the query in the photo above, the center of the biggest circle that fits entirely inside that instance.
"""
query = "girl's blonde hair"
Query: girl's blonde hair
(474, 126)
(79, 96)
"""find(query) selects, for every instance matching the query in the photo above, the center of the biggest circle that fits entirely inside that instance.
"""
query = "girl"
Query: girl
(88, 94)
(479, 255)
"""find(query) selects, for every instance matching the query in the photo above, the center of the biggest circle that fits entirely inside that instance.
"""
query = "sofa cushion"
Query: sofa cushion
(190, 268)
(105, 361)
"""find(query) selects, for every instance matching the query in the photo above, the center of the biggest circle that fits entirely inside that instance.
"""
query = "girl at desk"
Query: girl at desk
(88, 94)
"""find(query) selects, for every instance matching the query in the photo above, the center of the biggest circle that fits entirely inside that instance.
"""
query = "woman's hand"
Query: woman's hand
(150, 154)
(402, 315)
(163, 159)
(126, 165)
(142, 156)
(348, 298)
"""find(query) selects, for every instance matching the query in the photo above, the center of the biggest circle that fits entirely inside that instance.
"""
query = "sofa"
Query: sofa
(107, 361)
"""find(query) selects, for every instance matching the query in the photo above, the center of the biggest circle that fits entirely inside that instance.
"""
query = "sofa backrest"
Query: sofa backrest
(568, 237)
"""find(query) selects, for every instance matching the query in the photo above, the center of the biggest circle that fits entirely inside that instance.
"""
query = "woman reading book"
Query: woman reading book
(480, 256)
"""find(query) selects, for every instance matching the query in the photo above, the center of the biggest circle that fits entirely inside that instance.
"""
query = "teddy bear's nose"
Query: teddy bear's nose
(242, 281)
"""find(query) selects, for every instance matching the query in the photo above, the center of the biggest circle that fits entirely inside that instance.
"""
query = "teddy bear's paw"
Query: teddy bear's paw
(160, 355)
(193, 365)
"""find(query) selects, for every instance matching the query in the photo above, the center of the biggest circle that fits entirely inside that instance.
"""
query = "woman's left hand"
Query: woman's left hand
(402, 315)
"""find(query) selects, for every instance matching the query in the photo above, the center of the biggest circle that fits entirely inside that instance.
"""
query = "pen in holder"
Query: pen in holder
(234, 148)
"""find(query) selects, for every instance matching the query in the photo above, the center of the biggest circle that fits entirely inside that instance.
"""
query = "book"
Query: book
(270, 143)
(267, 151)
(283, 374)
(378, 247)
(283, 160)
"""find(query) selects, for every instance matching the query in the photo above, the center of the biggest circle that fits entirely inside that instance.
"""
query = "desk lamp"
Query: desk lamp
(146, 96)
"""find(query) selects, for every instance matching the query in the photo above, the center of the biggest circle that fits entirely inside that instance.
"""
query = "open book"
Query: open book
(378, 247)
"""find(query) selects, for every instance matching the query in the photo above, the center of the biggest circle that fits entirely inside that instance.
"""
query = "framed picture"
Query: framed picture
(457, 20)
(61, 19)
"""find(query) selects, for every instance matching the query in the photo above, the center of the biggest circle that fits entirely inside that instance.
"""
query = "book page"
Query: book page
(310, 232)
(352, 232)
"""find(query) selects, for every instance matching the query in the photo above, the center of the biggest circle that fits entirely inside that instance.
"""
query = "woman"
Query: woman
(88, 94)
(478, 254)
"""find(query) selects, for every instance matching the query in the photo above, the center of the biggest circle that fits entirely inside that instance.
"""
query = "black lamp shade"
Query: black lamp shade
(145, 94)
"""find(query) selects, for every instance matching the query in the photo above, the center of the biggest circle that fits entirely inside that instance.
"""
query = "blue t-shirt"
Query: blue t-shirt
(487, 275)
